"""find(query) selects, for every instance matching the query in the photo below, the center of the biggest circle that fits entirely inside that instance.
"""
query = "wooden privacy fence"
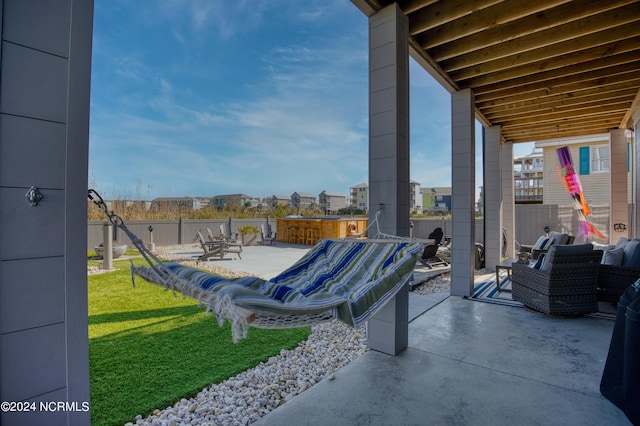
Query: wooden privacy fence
(530, 221)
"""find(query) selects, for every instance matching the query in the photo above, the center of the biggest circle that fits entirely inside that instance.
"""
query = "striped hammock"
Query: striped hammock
(345, 279)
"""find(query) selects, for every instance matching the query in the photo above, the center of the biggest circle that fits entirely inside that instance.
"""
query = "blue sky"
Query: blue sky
(200, 97)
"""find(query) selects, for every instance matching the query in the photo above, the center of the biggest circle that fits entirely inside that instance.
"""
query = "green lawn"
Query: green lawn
(148, 349)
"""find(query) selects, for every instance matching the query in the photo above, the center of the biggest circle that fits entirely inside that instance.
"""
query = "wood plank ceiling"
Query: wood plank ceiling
(541, 69)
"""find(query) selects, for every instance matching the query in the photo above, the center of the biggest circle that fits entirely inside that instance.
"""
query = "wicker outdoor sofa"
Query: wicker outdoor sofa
(620, 269)
(564, 283)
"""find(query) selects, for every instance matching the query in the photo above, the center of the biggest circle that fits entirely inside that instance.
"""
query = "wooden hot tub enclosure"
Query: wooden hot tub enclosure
(310, 230)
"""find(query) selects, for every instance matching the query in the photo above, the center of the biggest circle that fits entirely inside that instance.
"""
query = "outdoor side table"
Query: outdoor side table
(504, 265)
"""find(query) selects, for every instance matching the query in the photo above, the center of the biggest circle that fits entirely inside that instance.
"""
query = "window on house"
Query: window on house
(600, 158)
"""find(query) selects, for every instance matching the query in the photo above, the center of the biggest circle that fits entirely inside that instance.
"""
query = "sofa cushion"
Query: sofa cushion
(622, 241)
(631, 257)
(603, 247)
(613, 256)
(558, 237)
(578, 248)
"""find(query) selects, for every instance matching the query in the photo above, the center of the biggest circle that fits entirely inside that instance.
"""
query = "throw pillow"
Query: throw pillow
(613, 256)
(541, 242)
(631, 258)
(538, 263)
(622, 241)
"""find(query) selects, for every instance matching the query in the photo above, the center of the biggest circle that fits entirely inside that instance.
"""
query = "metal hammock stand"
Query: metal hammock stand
(347, 279)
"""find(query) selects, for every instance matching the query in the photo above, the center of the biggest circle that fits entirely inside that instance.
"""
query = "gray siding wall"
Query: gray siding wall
(45, 76)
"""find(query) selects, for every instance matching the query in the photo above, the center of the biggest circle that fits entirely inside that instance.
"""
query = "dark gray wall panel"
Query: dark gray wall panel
(35, 231)
(33, 84)
(40, 24)
(27, 298)
(26, 361)
(32, 152)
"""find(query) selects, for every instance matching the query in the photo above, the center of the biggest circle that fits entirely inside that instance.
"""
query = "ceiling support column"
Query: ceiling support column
(389, 158)
(494, 193)
(619, 202)
(508, 212)
(463, 183)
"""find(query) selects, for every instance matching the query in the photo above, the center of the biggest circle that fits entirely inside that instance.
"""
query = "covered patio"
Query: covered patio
(527, 72)
(470, 363)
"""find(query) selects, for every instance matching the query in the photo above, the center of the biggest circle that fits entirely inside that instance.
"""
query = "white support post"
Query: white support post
(463, 185)
(492, 161)
(619, 204)
(508, 212)
(389, 158)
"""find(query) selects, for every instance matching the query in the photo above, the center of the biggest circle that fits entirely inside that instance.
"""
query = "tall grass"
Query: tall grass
(148, 349)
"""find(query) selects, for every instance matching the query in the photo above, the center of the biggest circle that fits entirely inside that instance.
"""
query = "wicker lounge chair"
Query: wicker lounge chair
(544, 242)
(565, 284)
(615, 278)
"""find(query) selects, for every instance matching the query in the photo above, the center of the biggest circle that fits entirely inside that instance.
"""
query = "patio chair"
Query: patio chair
(227, 236)
(217, 248)
(429, 257)
(565, 283)
(545, 242)
(267, 234)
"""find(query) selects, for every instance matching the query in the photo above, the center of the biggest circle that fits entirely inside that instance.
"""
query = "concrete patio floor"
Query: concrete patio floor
(468, 363)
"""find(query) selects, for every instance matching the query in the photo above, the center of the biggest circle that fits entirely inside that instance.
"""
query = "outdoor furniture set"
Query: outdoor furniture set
(568, 280)
(217, 247)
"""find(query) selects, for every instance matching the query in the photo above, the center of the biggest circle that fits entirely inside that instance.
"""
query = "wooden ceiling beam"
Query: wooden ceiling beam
(565, 103)
(560, 62)
(545, 97)
(486, 21)
(601, 70)
(547, 128)
(443, 44)
(444, 11)
(571, 51)
(599, 108)
(558, 130)
(411, 6)
(557, 135)
(614, 109)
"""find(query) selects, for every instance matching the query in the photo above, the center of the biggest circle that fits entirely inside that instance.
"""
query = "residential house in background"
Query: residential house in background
(279, 200)
(359, 197)
(415, 199)
(331, 202)
(179, 203)
(231, 201)
(436, 200)
(528, 177)
(121, 205)
(302, 200)
(590, 156)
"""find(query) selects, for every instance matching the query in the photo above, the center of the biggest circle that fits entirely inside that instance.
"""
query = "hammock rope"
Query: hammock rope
(346, 279)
